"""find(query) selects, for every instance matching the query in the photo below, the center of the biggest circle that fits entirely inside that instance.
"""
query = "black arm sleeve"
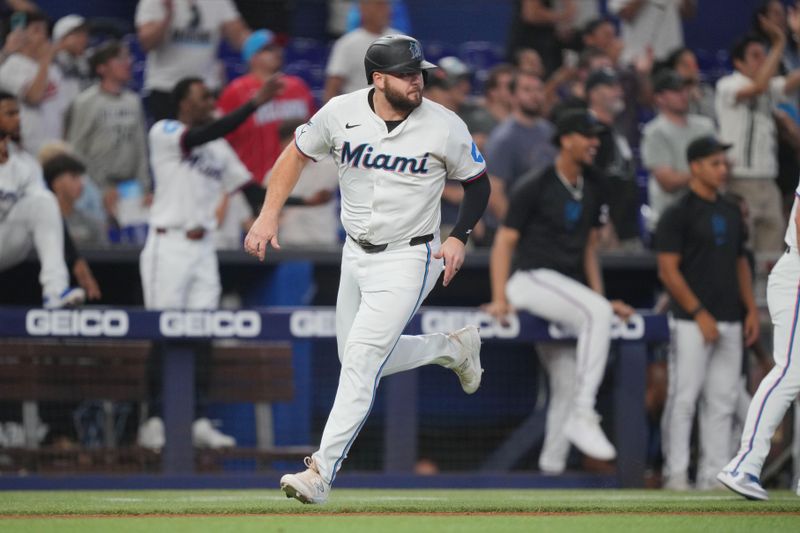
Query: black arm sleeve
(71, 253)
(219, 128)
(476, 197)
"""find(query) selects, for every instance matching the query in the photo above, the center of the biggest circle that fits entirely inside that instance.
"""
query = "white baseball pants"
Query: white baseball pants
(558, 360)
(559, 298)
(782, 384)
(709, 373)
(378, 295)
(179, 273)
(35, 223)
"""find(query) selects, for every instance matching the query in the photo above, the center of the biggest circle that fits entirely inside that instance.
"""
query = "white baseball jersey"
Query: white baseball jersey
(791, 231)
(189, 186)
(17, 179)
(190, 45)
(391, 182)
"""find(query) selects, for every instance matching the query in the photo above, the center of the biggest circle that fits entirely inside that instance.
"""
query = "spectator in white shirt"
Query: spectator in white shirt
(654, 24)
(71, 35)
(745, 103)
(31, 76)
(181, 38)
(345, 69)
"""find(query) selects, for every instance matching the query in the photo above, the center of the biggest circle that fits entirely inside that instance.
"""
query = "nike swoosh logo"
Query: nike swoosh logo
(349, 126)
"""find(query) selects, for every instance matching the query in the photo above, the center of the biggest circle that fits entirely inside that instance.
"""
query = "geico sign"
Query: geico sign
(210, 324)
(438, 321)
(77, 323)
(308, 323)
(633, 329)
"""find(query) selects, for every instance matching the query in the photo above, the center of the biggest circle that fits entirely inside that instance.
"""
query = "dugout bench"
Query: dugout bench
(73, 370)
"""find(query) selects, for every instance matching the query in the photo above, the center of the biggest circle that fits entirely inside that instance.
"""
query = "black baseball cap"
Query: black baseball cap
(668, 80)
(705, 146)
(603, 76)
(576, 121)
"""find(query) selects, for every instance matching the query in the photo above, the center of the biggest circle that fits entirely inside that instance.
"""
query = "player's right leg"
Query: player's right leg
(558, 359)
(560, 299)
(35, 223)
(687, 362)
(718, 404)
(778, 389)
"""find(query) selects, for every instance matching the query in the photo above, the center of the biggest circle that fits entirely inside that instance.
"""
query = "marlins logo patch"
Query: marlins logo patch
(476, 154)
(413, 47)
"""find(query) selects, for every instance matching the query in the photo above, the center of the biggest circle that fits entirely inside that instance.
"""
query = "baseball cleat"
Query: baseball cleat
(205, 435)
(71, 297)
(746, 485)
(307, 486)
(467, 363)
(151, 434)
(582, 428)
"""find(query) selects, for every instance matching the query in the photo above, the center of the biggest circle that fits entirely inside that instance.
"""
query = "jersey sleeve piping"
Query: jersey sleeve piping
(302, 152)
(476, 176)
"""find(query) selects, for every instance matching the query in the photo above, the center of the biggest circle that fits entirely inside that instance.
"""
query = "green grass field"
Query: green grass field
(387, 511)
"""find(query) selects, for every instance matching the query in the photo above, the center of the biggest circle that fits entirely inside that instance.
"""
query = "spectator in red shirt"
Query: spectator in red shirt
(257, 142)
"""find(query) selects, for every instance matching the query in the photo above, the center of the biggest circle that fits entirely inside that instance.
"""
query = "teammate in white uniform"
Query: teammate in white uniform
(192, 168)
(394, 150)
(782, 385)
(31, 220)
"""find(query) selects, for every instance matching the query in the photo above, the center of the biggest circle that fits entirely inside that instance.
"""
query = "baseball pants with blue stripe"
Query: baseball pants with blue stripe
(782, 384)
(378, 295)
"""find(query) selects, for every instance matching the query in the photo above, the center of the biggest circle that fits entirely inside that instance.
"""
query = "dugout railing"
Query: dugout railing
(182, 331)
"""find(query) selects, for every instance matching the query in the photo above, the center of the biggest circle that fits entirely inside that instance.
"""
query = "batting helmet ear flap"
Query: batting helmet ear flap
(395, 53)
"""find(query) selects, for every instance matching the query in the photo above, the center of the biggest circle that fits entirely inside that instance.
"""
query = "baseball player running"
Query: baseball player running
(781, 386)
(544, 256)
(701, 261)
(394, 150)
(192, 166)
(30, 219)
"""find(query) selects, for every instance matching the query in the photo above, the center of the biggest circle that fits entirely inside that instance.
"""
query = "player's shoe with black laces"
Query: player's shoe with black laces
(467, 362)
(743, 484)
(582, 428)
(71, 297)
(307, 486)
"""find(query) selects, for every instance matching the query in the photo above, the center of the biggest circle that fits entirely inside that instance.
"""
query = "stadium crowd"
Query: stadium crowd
(76, 106)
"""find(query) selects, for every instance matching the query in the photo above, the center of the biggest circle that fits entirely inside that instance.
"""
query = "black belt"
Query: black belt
(194, 234)
(376, 248)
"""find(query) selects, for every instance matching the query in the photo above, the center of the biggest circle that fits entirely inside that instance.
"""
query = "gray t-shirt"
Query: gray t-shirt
(514, 149)
(85, 230)
(108, 132)
(664, 143)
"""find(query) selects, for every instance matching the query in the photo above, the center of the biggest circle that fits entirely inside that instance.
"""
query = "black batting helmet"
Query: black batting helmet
(395, 53)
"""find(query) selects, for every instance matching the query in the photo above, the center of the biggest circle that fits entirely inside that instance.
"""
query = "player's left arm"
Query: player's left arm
(745, 278)
(453, 250)
(464, 163)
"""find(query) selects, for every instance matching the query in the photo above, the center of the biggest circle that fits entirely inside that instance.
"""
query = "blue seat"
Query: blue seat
(435, 50)
(304, 49)
(481, 54)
